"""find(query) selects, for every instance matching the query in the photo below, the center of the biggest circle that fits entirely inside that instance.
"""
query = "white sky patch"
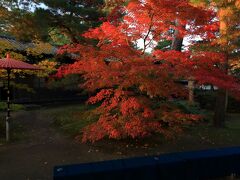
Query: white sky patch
(149, 49)
(43, 6)
(189, 40)
(40, 5)
(33, 6)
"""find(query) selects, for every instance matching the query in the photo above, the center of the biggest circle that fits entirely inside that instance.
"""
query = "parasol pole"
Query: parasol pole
(8, 105)
(9, 64)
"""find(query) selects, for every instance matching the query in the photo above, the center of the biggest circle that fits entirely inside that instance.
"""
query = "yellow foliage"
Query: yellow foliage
(195, 3)
(40, 48)
(225, 12)
(224, 15)
(48, 67)
(5, 44)
(237, 4)
(17, 56)
(235, 64)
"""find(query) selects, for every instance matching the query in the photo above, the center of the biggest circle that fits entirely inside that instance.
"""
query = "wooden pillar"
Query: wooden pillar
(191, 91)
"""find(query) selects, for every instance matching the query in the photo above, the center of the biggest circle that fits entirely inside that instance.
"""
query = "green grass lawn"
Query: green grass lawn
(71, 120)
(229, 135)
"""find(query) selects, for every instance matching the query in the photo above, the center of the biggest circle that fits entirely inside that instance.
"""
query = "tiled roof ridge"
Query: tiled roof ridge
(21, 45)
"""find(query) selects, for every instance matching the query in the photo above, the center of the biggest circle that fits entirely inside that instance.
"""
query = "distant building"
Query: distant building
(24, 46)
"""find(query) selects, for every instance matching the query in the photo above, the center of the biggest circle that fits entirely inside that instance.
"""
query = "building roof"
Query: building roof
(25, 46)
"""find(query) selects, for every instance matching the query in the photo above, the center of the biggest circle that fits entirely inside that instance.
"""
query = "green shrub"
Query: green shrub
(189, 108)
(206, 99)
(13, 107)
(73, 119)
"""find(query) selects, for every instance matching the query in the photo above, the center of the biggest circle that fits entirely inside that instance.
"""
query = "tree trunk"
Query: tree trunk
(222, 97)
(226, 101)
(220, 109)
(221, 101)
(177, 44)
(177, 40)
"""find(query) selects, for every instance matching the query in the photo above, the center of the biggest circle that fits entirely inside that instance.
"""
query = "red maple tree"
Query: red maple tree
(128, 82)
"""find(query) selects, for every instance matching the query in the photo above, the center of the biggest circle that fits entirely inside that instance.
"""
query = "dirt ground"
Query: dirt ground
(43, 147)
(34, 157)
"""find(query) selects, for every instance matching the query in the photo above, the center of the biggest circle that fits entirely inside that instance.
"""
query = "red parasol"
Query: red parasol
(9, 64)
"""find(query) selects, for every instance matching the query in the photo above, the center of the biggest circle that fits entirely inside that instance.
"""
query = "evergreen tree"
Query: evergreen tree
(49, 20)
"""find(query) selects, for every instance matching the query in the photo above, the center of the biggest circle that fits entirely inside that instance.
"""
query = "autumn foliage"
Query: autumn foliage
(128, 82)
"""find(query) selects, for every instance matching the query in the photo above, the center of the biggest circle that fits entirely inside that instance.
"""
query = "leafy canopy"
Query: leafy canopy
(128, 82)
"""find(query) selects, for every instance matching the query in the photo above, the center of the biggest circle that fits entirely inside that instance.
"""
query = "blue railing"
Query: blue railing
(204, 164)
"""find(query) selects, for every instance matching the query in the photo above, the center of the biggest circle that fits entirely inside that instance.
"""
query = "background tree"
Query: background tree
(43, 19)
(48, 23)
(226, 43)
